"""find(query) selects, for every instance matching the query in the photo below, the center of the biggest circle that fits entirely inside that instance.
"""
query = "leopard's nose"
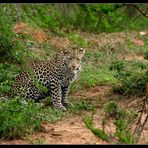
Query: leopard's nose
(73, 67)
(77, 68)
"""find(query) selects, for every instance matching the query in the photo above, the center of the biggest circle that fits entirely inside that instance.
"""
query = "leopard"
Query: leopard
(52, 78)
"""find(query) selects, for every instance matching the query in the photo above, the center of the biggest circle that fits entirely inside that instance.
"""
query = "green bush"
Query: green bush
(132, 77)
(122, 132)
(134, 86)
(122, 119)
(117, 65)
(111, 108)
(10, 46)
(106, 18)
(42, 15)
(93, 18)
(7, 73)
(146, 55)
(18, 118)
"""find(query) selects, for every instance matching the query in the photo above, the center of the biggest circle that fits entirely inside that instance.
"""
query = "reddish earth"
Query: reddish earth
(36, 33)
(67, 131)
(131, 57)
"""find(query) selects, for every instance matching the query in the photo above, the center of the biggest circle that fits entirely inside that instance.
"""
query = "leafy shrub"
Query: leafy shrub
(18, 118)
(111, 108)
(122, 119)
(134, 86)
(122, 131)
(132, 77)
(7, 72)
(42, 15)
(10, 46)
(118, 65)
(146, 55)
(93, 18)
(106, 18)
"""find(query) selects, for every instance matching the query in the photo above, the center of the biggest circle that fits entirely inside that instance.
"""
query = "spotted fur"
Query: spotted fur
(50, 78)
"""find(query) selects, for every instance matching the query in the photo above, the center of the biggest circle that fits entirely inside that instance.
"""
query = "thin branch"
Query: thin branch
(141, 11)
(140, 126)
(135, 18)
(106, 11)
(138, 8)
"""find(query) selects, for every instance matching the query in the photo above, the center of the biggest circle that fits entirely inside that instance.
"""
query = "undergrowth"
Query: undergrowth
(122, 120)
(132, 77)
(19, 117)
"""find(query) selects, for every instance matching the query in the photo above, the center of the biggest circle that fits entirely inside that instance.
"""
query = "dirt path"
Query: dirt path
(67, 131)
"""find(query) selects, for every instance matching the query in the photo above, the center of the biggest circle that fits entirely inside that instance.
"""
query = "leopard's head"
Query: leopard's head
(74, 58)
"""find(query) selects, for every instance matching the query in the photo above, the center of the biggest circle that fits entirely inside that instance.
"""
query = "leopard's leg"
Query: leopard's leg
(65, 102)
(55, 93)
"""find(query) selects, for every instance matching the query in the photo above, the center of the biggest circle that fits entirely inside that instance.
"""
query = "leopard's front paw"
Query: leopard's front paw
(67, 104)
(61, 108)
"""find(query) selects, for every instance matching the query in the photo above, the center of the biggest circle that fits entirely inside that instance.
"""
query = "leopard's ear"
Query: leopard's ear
(82, 50)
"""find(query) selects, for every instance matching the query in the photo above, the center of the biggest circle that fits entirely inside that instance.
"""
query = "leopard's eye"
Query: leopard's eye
(78, 59)
(69, 57)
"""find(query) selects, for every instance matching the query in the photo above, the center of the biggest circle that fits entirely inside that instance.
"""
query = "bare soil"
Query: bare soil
(67, 131)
